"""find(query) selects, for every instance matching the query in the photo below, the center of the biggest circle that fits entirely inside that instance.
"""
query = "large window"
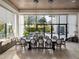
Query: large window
(2, 29)
(6, 23)
(51, 25)
(72, 25)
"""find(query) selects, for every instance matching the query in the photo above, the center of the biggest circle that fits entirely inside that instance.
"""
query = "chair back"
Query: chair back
(46, 37)
(55, 37)
(22, 41)
(32, 41)
(59, 41)
(62, 39)
(49, 41)
(40, 41)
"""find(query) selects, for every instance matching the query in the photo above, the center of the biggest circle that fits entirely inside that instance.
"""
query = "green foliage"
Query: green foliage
(30, 21)
(48, 29)
(32, 29)
(40, 29)
(26, 33)
(1, 27)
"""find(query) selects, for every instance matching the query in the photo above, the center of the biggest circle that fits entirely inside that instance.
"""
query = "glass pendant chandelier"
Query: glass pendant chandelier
(36, 1)
(50, 1)
(35, 11)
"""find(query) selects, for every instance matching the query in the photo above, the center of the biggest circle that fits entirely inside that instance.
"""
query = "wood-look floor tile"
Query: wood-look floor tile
(70, 52)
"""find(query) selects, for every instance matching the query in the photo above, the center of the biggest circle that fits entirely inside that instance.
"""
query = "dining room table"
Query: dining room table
(28, 42)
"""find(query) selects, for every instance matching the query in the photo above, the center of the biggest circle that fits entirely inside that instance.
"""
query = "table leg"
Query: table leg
(53, 46)
(29, 46)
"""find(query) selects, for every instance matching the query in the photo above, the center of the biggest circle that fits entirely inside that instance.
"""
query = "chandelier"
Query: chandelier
(50, 1)
(36, 1)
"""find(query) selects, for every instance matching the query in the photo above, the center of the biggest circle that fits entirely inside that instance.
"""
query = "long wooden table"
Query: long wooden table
(53, 45)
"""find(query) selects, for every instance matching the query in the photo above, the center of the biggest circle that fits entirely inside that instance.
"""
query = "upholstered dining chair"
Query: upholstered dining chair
(54, 37)
(40, 43)
(46, 37)
(17, 41)
(33, 43)
(58, 43)
(63, 42)
(23, 42)
(48, 43)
